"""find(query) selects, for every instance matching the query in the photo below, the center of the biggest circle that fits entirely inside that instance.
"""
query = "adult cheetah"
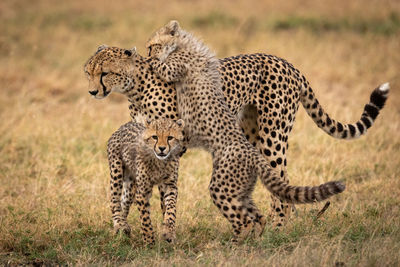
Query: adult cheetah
(263, 91)
(141, 156)
(184, 60)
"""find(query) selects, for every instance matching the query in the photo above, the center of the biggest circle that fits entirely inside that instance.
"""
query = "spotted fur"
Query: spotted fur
(263, 91)
(187, 62)
(140, 157)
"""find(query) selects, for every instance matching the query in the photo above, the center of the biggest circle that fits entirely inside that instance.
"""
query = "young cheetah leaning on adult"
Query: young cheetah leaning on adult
(179, 57)
(141, 156)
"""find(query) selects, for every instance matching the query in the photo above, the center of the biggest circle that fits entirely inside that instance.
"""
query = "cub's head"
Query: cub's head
(163, 36)
(163, 137)
(109, 70)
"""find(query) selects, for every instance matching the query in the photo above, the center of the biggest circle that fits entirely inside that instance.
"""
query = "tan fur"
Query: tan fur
(209, 124)
(265, 91)
(139, 158)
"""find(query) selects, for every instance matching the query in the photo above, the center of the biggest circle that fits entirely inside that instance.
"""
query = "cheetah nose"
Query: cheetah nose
(93, 92)
(162, 148)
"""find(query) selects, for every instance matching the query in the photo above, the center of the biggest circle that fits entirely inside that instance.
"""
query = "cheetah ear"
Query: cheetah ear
(129, 52)
(101, 47)
(147, 122)
(172, 27)
(180, 123)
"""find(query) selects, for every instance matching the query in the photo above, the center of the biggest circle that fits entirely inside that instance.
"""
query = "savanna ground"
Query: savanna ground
(53, 170)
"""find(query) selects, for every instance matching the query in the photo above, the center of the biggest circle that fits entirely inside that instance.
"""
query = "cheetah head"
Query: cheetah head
(109, 70)
(163, 137)
(165, 35)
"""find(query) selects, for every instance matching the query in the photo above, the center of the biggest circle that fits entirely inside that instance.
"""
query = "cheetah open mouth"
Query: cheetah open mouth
(161, 156)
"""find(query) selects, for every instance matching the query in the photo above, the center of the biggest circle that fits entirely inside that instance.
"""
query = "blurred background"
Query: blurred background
(53, 167)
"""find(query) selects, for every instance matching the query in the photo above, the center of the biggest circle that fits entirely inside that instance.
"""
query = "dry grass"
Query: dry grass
(53, 168)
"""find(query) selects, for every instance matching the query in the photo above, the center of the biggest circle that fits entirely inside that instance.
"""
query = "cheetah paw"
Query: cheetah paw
(167, 50)
(168, 235)
(259, 227)
(123, 228)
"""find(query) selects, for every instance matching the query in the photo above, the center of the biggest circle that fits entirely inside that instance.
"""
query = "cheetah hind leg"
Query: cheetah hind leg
(252, 228)
(253, 223)
(280, 212)
(128, 196)
(258, 219)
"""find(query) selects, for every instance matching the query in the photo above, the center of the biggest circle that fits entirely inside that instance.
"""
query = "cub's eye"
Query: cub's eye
(155, 137)
(170, 138)
(149, 50)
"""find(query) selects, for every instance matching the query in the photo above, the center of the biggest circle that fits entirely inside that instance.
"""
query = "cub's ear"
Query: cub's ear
(180, 123)
(101, 47)
(147, 123)
(129, 52)
(172, 27)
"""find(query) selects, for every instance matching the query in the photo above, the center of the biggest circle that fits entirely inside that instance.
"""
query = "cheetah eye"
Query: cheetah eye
(149, 50)
(155, 137)
(170, 138)
(103, 74)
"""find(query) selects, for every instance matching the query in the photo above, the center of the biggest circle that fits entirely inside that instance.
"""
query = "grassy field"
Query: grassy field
(53, 170)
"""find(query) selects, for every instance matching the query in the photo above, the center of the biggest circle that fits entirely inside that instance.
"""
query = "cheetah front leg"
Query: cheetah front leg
(170, 197)
(167, 65)
(166, 51)
(161, 189)
(119, 220)
(142, 197)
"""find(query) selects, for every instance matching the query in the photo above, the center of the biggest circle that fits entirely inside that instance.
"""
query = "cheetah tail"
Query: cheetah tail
(302, 194)
(340, 130)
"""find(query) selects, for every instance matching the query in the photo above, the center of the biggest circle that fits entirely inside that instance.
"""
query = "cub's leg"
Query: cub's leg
(128, 196)
(119, 219)
(255, 214)
(142, 196)
(230, 190)
(161, 189)
(169, 215)
(247, 119)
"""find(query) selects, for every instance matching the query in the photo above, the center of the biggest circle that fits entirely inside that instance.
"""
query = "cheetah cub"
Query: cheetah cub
(177, 56)
(141, 156)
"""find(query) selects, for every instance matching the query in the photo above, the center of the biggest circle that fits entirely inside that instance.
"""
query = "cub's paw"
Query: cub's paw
(166, 51)
(168, 234)
(122, 228)
(169, 237)
(247, 231)
(149, 240)
(259, 227)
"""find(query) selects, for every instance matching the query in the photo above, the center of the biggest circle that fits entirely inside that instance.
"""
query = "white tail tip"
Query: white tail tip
(384, 87)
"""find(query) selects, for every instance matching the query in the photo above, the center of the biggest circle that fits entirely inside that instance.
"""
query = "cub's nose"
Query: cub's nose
(93, 92)
(162, 148)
